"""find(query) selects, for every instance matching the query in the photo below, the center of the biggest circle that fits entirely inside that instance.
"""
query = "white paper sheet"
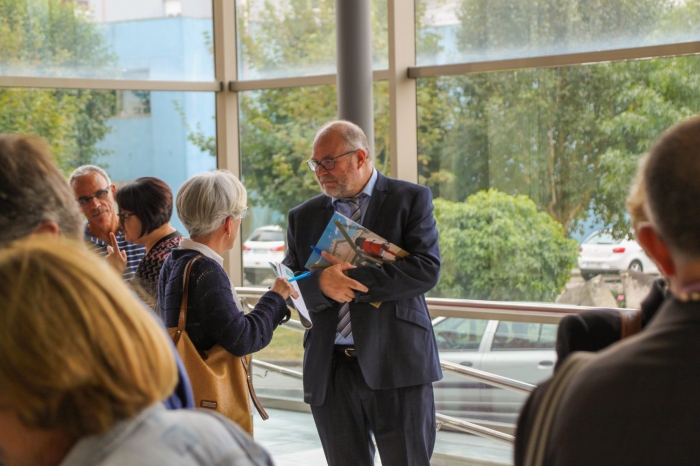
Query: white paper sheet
(285, 272)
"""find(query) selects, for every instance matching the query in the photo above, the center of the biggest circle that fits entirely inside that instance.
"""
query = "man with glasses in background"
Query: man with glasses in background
(95, 193)
(368, 371)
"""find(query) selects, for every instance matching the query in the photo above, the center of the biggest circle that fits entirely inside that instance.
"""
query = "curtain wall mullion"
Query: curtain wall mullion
(402, 91)
(227, 131)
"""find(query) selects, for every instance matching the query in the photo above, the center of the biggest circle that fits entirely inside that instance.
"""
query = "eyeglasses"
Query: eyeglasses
(99, 195)
(328, 164)
(124, 217)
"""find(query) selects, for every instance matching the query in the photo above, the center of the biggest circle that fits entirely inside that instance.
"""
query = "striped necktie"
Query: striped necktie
(344, 327)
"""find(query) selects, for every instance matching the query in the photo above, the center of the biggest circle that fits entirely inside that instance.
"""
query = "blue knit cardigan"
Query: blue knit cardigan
(212, 315)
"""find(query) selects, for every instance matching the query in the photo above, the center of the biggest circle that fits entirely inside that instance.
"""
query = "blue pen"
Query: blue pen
(316, 250)
(299, 277)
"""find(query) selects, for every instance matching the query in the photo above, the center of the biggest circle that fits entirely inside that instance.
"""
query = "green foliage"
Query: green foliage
(53, 37)
(569, 138)
(278, 125)
(500, 247)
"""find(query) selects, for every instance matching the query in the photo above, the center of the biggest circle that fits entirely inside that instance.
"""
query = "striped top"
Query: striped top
(134, 252)
(148, 270)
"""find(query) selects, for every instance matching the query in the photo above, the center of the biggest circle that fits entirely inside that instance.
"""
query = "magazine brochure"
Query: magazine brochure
(283, 271)
(351, 242)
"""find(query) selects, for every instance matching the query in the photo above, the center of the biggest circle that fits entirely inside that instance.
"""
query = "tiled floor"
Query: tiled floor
(291, 439)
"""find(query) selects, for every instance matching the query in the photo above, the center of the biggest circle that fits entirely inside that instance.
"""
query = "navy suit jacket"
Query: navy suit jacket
(395, 343)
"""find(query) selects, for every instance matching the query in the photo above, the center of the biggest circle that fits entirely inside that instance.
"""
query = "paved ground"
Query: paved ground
(291, 439)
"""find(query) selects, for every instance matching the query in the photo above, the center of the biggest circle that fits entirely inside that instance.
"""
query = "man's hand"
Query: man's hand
(115, 257)
(335, 284)
(331, 258)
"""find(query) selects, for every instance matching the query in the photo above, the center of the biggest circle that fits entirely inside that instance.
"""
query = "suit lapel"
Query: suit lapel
(375, 201)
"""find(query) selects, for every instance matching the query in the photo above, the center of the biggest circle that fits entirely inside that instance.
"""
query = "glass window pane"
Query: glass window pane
(458, 31)
(524, 336)
(459, 334)
(173, 138)
(277, 129)
(296, 38)
(96, 127)
(524, 165)
(128, 39)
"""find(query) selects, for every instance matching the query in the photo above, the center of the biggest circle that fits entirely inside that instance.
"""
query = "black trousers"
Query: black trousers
(402, 420)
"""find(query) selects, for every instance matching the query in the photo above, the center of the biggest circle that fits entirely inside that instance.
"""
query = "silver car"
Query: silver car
(518, 350)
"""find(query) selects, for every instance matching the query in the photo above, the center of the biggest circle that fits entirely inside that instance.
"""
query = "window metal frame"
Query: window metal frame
(402, 75)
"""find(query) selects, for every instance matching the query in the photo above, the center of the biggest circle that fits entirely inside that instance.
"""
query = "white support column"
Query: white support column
(227, 143)
(402, 90)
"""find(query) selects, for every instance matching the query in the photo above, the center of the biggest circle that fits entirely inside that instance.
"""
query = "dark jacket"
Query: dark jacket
(595, 330)
(635, 403)
(395, 343)
(212, 315)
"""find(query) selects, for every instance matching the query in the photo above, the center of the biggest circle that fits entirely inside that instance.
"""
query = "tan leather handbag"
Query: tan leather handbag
(220, 380)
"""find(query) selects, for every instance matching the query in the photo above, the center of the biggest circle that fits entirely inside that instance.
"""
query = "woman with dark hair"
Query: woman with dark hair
(145, 207)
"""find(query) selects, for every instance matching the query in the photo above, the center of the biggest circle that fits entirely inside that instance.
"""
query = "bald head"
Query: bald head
(671, 176)
(343, 147)
(349, 133)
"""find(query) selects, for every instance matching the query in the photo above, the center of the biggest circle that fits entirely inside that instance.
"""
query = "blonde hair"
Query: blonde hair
(637, 199)
(78, 352)
(206, 200)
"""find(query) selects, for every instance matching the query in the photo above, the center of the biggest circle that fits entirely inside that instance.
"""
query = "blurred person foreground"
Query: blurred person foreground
(606, 408)
(83, 367)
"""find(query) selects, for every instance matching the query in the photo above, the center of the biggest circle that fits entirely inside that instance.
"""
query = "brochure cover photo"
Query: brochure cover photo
(353, 243)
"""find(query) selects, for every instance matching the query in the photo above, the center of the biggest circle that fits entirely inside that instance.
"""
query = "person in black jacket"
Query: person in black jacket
(595, 330)
(211, 206)
(636, 402)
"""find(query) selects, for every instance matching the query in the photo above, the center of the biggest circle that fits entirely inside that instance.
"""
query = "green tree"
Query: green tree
(278, 125)
(569, 138)
(55, 38)
(500, 247)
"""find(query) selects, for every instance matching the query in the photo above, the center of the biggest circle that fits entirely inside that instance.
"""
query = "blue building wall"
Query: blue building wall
(156, 144)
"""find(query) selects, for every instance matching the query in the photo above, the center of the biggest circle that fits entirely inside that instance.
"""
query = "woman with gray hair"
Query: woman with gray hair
(211, 206)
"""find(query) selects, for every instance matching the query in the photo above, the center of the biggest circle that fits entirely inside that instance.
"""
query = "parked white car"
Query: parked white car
(601, 254)
(517, 350)
(265, 245)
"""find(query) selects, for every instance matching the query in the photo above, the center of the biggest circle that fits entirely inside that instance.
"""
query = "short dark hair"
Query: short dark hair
(671, 177)
(33, 190)
(151, 199)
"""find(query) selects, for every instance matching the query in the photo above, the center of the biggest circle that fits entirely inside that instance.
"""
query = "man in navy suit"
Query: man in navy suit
(368, 371)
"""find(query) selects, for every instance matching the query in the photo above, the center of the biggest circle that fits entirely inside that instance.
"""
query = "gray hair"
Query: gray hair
(206, 200)
(86, 170)
(351, 134)
(33, 190)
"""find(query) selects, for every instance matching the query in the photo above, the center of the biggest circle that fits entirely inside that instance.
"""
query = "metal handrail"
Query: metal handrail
(489, 378)
(471, 428)
(276, 368)
(458, 424)
(547, 313)
(294, 325)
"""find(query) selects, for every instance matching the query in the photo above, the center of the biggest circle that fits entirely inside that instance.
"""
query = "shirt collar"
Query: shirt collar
(187, 243)
(369, 187)
(119, 235)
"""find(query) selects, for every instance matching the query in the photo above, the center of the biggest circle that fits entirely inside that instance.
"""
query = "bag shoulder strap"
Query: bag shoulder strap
(182, 319)
(631, 322)
(544, 416)
(251, 389)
